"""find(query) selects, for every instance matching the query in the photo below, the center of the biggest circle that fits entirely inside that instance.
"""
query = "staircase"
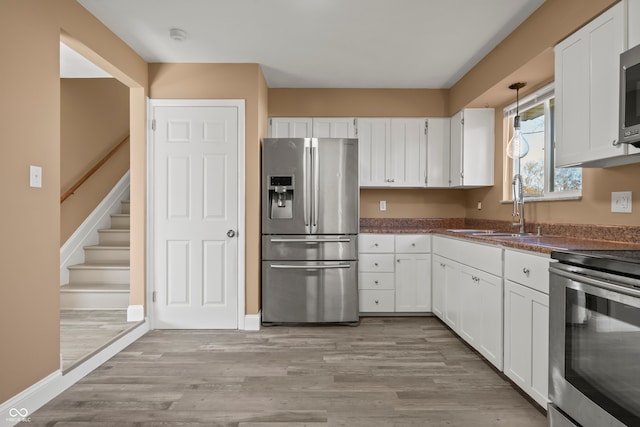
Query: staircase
(102, 281)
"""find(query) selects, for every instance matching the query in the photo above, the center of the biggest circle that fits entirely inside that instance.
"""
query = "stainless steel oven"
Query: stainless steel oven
(594, 347)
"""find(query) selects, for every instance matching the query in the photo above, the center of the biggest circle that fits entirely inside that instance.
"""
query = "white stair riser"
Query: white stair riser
(94, 300)
(121, 237)
(98, 275)
(106, 255)
(125, 207)
(120, 221)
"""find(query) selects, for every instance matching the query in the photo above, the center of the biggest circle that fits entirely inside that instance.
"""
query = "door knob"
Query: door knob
(231, 233)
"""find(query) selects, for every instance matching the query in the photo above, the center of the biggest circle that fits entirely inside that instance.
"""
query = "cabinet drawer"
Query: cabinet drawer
(413, 243)
(377, 301)
(374, 263)
(483, 257)
(376, 281)
(527, 269)
(376, 243)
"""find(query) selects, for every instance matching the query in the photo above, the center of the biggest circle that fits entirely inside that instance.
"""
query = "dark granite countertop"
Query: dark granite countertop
(554, 236)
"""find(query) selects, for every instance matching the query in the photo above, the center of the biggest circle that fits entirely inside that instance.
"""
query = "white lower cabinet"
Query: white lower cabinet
(526, 323)
(467, 293)
(395, 273)
(438, 280)
(411, 279)
(468, 283)
(481, 312)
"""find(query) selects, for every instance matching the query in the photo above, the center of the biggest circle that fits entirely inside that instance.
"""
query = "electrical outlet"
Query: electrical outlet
(479, 205)
(621, 201)
(383, 205)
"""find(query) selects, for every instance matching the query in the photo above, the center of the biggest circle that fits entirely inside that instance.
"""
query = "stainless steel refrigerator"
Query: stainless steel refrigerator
(310, 223)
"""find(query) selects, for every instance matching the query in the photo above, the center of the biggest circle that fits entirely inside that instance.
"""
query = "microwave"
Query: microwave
(630, 97)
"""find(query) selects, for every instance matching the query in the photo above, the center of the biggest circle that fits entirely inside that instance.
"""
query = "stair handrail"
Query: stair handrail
(93, 170)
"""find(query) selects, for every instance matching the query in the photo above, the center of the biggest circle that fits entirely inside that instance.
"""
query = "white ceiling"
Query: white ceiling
(322, 43)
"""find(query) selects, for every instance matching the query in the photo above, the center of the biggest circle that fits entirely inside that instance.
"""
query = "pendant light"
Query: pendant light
(518, 146)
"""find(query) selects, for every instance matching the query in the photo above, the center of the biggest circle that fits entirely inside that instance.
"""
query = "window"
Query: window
(540, 179)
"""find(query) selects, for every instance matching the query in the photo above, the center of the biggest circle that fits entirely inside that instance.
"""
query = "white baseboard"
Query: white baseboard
(30, 400)
(135, 313)
(87, 234)
(252, 322)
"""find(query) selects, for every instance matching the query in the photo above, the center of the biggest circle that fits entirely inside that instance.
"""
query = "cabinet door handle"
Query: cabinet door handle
(616, 143)
(398, 261)
(377, 302)
(443, 265)
(375, 281)
(375, 244)
(375, 264)
(413, 244)
(526, 271)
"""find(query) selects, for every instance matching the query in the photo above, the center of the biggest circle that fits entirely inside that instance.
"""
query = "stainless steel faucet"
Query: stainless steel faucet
(518, 204)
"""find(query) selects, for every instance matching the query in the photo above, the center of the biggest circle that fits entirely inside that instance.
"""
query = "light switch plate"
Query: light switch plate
(383, 205)
(35, 176)
(621, 201)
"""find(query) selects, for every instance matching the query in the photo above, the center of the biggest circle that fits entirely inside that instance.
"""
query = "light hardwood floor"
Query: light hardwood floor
(83, 332)
(386, 372)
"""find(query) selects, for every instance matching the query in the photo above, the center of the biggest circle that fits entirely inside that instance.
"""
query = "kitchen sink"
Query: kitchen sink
(469, 231)
(504, 234)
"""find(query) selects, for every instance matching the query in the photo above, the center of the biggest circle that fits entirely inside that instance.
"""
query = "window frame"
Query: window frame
(540, 96)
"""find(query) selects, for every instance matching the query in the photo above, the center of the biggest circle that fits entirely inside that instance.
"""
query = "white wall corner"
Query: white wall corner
(252, 322)
(135, 313)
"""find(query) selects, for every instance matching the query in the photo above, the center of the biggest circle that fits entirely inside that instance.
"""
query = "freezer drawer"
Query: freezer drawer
(310, 248)
(309, 292)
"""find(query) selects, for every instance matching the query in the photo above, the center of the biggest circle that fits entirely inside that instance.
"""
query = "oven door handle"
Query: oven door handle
(625, 290)
(309, 267)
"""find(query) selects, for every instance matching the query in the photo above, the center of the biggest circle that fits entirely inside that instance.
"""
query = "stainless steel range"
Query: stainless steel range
(594, 360)
(310, 223)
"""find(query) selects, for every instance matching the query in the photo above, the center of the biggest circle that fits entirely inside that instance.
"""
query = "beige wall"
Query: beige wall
(358, 102)
(94, 117)
(553, 21)
(30, 122)
(527, 55)
(411, 203)
(227, 81)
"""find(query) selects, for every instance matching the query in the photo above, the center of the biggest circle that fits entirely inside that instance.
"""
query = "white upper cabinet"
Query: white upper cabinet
(290, 127)
(336, 127)
(308, 127)
(373, 145)
(587, 78)
(392, 152)
(408, 153)
(633, 10)
(438, 145)
(472, 147)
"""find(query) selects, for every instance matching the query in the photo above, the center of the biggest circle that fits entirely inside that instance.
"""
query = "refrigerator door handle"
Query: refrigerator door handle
(316, 179)
(308, 267)
(311, 242)
(306, 173)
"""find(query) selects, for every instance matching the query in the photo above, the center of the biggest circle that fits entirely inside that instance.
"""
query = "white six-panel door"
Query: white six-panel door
(195, 217)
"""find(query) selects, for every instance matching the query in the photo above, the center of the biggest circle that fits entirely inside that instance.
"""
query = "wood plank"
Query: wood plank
(388, 371)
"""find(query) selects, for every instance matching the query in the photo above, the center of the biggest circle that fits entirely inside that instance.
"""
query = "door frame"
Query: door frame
(240, 105)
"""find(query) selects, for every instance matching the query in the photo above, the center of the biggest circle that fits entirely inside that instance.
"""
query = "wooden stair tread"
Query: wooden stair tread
(100, 266)
(96, 287)
(107, 247)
